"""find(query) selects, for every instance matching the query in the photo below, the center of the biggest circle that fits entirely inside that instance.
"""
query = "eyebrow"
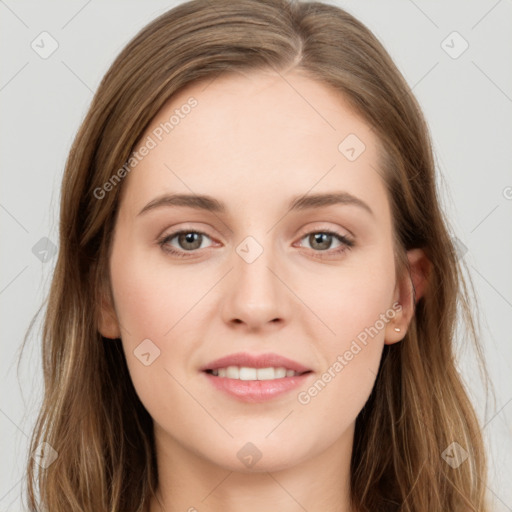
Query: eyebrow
(299, 203)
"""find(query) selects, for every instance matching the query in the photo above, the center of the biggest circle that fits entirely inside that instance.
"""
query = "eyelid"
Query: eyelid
(346, 244)
(319, 228)
(303, 233)
(346, 241)
(183, 228)
(161, 240)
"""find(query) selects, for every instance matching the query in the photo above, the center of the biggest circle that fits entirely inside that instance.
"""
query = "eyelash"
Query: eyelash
(346, 242)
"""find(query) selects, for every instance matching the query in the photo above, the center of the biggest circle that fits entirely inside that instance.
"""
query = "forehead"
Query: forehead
(260, 135)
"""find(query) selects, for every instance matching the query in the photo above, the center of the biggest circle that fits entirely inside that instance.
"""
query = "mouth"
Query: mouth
(255, 378)
(247, 373)
(256, 391)
(247, 366)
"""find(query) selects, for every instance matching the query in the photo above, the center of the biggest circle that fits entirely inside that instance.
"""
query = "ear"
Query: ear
(409, 289)
(108, 324)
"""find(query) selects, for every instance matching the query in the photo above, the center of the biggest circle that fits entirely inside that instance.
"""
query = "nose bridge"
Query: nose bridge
(255, 295)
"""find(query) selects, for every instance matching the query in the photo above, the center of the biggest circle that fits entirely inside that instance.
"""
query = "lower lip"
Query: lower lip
(257, 390)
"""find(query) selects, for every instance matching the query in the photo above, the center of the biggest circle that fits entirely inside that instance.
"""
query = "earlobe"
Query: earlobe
(410, 287)
(395, 329)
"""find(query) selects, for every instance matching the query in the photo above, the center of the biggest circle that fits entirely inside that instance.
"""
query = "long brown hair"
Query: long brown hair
(91, 415)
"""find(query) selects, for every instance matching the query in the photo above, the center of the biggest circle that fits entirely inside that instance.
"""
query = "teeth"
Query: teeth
(266, 373)
(232, 372)
(247, 373)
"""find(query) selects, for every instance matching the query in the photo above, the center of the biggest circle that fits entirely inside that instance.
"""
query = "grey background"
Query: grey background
(468, 104)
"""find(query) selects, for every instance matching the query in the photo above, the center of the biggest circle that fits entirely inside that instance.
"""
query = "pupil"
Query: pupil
(190, 238)
(322, 239)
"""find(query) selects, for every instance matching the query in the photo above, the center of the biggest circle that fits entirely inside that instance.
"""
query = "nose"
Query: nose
(255, 295)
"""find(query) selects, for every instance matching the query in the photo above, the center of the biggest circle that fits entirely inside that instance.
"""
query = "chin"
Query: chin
(258, 456)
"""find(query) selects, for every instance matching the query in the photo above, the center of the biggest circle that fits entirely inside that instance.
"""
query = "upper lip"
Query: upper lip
(255, 361)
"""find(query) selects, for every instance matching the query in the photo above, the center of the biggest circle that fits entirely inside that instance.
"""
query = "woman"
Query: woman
(256, 291)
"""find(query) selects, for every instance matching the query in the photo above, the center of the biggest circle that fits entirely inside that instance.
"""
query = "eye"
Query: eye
(322, 241)
(187, 240)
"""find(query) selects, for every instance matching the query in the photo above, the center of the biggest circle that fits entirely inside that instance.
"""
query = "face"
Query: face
(291, 255)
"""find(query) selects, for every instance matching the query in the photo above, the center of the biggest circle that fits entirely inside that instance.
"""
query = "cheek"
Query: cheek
(150, 295)
(350, 298)
(354, 305)
(351, 362)
(161, 302)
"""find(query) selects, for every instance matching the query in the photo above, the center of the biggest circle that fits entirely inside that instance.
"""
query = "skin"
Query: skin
(255, 139)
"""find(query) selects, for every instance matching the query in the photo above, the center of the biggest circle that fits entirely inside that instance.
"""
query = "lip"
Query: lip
(255, 391)
(256, 361)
